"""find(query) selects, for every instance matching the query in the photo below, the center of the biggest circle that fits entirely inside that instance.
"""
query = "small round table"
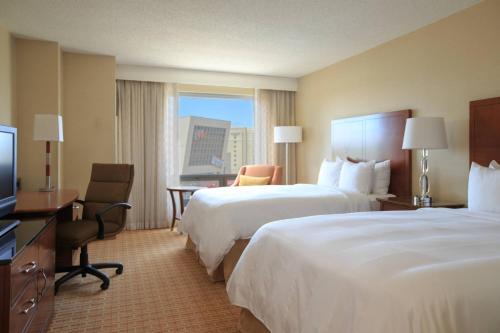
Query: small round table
(181, 190)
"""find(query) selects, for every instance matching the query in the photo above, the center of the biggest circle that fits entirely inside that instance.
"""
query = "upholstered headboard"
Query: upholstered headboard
(376, 137)
(484, 131)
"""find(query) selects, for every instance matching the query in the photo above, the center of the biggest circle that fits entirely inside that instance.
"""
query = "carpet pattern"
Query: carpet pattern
(162, 289)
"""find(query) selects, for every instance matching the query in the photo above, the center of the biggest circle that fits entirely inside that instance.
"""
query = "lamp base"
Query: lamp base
(422, 201)
(47, 189)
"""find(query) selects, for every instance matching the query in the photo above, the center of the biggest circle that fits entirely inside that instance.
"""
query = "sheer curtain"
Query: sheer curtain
(147, 138)
(274, 108)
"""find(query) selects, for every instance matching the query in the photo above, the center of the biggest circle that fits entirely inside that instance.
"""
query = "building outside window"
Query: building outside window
(216, 136)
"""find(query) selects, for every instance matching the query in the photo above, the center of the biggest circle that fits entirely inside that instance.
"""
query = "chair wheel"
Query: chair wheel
(119, 270)
(105, 285)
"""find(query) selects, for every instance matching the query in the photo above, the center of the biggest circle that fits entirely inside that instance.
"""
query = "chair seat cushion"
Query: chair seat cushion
(252, 181)
(75, 234)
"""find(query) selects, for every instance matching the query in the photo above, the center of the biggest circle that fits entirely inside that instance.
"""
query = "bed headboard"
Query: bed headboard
(376, 137)
(484, 131)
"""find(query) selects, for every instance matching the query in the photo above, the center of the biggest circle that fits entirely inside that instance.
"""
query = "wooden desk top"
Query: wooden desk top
(44, 202)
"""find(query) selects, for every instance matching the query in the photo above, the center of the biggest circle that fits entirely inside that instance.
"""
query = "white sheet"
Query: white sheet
(430, 270)
(215, 218)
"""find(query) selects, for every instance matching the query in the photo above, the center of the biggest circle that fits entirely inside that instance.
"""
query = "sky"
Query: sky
(239, 111)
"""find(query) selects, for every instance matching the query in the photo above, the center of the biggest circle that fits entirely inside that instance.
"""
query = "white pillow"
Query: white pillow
(484, 189)
(494, 165)
(382, 177)
(329, 172)
(357, 177)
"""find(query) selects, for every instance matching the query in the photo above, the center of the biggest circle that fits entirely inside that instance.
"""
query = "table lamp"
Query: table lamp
(48, 127)
(287, 135)
(424, 133)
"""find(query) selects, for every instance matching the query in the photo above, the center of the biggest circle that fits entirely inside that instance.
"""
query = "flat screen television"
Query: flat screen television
(8, 169)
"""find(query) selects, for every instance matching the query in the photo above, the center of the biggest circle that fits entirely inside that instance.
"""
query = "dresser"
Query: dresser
(27, 276)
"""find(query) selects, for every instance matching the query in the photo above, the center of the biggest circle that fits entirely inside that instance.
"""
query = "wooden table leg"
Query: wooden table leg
(64, 256)
(65, 214)
(173, 210)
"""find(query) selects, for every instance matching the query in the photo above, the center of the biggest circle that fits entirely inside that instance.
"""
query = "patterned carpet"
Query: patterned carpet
(162, 289)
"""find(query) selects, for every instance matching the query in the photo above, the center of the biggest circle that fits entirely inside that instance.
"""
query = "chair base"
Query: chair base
(85, 268)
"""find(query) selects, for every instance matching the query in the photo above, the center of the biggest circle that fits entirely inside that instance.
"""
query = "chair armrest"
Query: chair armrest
(99, 214)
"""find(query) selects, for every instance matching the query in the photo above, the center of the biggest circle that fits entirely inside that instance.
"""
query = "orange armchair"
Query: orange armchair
(273, 171)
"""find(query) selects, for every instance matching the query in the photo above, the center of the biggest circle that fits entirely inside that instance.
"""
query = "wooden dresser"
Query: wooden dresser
(398, 203)
(27, 277)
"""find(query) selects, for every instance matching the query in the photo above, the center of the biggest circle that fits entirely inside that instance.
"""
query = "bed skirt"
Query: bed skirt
(223, 272)
(249, 324)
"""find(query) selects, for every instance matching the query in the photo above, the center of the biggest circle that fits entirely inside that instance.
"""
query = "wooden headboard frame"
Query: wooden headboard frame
(484, 131)
(376, 137)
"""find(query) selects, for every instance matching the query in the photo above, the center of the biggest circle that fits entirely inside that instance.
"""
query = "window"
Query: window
(216, 134)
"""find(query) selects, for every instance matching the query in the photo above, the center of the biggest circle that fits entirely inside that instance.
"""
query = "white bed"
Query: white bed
(219, 222)
(430, 270)
(216, 218)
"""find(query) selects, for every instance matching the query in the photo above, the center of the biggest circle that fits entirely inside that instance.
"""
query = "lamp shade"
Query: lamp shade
(48, 127)
(425, 133)
(287, 134)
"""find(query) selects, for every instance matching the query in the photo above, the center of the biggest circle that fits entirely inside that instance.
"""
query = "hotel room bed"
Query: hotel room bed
(219, 222)
(219, 217)
(430, 270)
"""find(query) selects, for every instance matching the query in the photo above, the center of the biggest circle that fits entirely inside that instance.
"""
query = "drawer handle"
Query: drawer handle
(31, 307)
(32, 266)
(44, 289)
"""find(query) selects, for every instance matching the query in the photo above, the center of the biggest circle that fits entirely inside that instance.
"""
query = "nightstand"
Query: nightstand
(407, 204)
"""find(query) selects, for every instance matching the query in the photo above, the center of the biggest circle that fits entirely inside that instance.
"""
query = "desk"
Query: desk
(27, 276)
(45, 204)
(58, 202)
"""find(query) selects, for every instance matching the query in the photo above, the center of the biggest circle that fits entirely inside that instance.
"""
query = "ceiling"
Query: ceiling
(288, 38)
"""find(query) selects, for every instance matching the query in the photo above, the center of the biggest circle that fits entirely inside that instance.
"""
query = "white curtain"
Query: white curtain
(147, 138)
(274, 108)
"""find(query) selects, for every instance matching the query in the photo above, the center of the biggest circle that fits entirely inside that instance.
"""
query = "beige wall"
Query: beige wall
(47, 80)
(435, 71)
(7, 103)
(89, 115)
(37, 92)
(193, 88)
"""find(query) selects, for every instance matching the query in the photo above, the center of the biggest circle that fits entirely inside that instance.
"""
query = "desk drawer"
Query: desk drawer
(24, 309)
(24, 268)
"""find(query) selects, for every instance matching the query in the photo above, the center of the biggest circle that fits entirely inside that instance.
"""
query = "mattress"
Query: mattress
(430, 270)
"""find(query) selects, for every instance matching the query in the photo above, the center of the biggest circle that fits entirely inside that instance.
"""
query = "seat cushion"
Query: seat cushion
(250, 181)
(75, 234)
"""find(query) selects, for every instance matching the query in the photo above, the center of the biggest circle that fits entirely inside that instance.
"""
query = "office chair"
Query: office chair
(104, 212)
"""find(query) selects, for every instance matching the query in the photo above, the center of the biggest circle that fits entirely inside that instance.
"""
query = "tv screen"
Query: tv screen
(7, 170)
(6, 164)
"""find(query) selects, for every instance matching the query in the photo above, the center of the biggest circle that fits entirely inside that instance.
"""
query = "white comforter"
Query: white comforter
(431, 270)
(215, 218)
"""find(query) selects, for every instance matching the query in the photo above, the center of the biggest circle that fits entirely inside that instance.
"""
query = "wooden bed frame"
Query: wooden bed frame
(484, 146)
(373, 137)
(484, 131)
(376, 137)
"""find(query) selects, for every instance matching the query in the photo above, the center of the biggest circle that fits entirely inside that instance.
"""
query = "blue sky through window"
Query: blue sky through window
(239, 111)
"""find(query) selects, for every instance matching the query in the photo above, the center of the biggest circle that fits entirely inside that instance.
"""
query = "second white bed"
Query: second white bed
(431, 270)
